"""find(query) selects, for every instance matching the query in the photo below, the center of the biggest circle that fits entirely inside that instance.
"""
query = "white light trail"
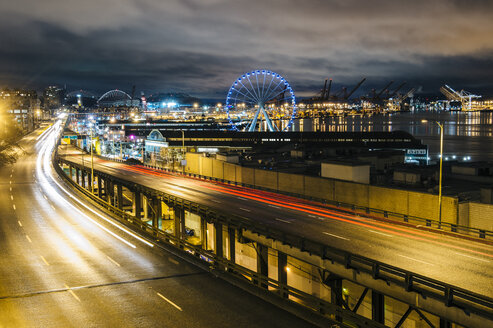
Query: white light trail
(44, 171)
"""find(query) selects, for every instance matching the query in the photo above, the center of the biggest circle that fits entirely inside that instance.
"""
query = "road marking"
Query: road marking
(13, 206)
(167, 300)
(321, 218)
(330, 234)
(44, 260)
(10, 188)
(381, 233)
(115, 262)
(53, 207)
(274, 206)
(19, 223)
(473, 257)
(11, 197)
(410, 258)
(312, 216)
(215, 200)
(241, 198)
(10, 181)
(72, 293)
(11, 176)
(45, 197)
(29, 239)
(281, 220)
(173, 261)
(245, 209)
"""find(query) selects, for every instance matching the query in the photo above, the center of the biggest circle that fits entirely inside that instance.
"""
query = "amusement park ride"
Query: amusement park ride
(258, 94)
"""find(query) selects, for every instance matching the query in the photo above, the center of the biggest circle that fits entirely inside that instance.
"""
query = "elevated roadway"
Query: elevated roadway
(64, 265)
(462, 263)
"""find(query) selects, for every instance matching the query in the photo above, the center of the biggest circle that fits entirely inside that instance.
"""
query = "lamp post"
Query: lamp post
(440, 125)
(440, 177)
(92, 166)
(183, 148)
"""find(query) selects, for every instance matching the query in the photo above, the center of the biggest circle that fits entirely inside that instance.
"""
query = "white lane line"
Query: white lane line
(336, 236)
(10, 181)
(53, 207)
(274, 206)
(10, 188)
(13, 206)
(44, 260)
(45, 197)
(473, 257)
(72, 293)
(215, 201)
(321, 218)
(381, 233)
(410, 258)
(28, 239)
(114, 262)
(11, 197)
(173, 261)
(11, 176)
(281, 220)
(245, 209)
(167, 300)
(312, 216)
(20, 223)
(241, 198)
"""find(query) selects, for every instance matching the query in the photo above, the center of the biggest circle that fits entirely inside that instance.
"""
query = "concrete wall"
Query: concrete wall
(481, 216)
(266, 179)
(404, 202)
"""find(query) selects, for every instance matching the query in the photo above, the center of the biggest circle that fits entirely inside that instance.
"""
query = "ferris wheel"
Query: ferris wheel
(259, 98)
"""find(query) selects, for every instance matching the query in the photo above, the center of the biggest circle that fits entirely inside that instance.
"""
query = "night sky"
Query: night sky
(201, 46)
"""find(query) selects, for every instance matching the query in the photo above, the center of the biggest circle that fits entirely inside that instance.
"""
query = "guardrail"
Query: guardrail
(449, 295)
(351, 208)
(217, 263)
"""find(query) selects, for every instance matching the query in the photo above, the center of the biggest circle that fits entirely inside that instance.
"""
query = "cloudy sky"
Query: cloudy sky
(201, 46)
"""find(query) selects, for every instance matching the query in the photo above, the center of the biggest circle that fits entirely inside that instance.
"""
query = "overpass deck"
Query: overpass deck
(461, 263)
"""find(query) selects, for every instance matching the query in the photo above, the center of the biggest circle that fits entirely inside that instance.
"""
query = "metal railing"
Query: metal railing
(351, 208)
(448, 294)
(217, 263)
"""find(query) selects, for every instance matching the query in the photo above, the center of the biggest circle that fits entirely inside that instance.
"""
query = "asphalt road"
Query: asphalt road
(463, 263)
(62, 265)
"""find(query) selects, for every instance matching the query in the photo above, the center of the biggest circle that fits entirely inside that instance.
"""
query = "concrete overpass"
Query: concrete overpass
(302, 251)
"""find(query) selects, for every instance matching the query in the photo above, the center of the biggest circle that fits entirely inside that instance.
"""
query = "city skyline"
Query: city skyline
(200, 47)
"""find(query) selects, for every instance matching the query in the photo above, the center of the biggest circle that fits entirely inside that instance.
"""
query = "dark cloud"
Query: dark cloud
(200, 47)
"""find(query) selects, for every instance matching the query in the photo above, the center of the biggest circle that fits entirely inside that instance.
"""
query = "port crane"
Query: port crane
(464, 97)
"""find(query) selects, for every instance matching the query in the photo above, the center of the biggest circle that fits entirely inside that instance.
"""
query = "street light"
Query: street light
(440, 179)
(440, 125)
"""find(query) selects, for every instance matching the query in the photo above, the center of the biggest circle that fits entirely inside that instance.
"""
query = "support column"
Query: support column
(156, 213)
(77, 173)
(203, 232)
(219, 240)
(262, 263)
(119, 196)
(282, 274)
(335, 284)
(377, 307)
(70, 172)
(137, 204)
(107, 189)
(145, 207)
(232, 244)
(100, 187)
(83, 178)
(179, 222)
(444, 323)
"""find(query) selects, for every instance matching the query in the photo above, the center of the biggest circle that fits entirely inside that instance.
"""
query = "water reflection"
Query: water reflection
(466, 134)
